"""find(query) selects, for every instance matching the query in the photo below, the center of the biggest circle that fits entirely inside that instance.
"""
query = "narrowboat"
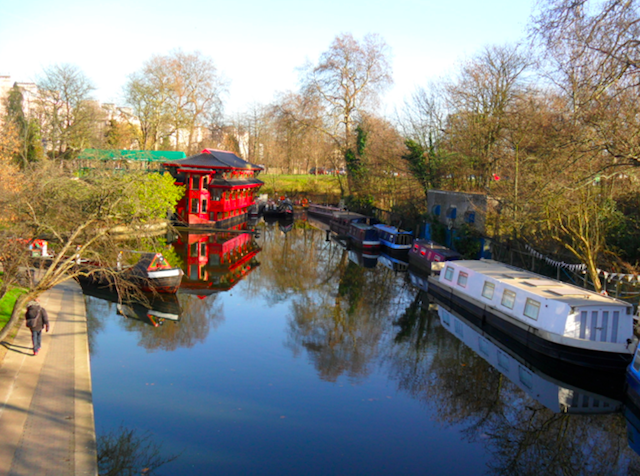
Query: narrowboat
(325, 212)
(363, 236)
(428, 256)
(278, 209)
(340, 222)
(393, 239)
(152, 273)
(561, 390)
(549, 317)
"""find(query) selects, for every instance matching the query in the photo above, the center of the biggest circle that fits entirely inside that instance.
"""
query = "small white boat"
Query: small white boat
(547, 316)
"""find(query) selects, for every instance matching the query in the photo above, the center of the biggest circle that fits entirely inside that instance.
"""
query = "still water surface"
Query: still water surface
(293, 356)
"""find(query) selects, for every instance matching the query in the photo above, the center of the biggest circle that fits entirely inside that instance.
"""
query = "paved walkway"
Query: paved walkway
(46, 406)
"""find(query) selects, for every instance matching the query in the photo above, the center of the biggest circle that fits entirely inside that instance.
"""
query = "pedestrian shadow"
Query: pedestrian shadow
(17, 348)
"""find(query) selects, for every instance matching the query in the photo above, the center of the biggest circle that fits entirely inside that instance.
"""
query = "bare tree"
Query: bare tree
(175, 95)
(478, 102)
(348, 80)
(67, 114)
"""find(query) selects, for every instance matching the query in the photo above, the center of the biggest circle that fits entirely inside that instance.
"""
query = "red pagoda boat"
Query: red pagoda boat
(220, 188)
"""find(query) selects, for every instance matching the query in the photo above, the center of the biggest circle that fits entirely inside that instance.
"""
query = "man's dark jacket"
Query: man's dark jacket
(32, 312)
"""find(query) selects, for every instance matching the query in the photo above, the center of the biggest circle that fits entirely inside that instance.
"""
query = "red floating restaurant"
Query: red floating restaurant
(220, 188)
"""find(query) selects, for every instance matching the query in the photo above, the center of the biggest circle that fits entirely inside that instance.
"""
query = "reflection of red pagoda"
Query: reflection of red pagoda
(220, 187)
(215, 261)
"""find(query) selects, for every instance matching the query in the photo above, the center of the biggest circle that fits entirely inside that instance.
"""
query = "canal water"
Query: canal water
(286, 353)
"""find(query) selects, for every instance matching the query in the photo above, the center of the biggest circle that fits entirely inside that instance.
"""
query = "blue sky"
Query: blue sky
(257, 45)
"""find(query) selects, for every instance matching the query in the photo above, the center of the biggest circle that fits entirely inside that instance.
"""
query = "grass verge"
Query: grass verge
(301, 185)
(7, 303)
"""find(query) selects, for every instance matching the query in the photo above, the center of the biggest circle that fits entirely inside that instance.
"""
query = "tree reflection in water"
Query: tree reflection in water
(339, 311)
(128, 452)
(351, 321)
(198, 318)
(524, 436)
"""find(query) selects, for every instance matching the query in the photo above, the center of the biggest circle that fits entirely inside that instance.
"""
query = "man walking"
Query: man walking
(37, 319)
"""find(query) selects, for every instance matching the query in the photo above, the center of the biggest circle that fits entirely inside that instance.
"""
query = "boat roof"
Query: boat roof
(535, 283)
(392, 229)
(352, 215)
(438, 248)
(363, 226)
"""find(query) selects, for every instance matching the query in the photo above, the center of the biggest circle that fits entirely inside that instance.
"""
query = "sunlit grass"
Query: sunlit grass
(299, 185)
(7, 303)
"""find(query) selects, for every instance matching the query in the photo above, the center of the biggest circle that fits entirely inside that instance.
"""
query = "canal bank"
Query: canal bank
(46, 404)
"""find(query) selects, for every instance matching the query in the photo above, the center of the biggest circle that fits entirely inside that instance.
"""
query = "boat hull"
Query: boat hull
(530, 337)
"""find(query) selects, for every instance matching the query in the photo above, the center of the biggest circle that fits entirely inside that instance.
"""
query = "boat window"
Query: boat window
(605, 325)
(446, 317)
(594, 324)
(488, 290)
(462, 279)
(526, 377)
(508, 298)
(484, 345)
(457, 325)
(503, 361)
(448, 274)
(531, 308)
(614, 326)
(583, 324)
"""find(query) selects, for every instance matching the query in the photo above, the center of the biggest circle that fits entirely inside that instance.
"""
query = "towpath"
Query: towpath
(46, 406)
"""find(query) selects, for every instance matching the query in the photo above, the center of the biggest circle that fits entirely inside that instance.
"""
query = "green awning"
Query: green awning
(136, 155)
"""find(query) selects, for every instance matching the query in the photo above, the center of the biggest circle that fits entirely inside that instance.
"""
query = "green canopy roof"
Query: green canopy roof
(144, 155)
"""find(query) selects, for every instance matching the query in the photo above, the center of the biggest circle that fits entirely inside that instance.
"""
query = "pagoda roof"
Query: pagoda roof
(235, 183)
(212, 158)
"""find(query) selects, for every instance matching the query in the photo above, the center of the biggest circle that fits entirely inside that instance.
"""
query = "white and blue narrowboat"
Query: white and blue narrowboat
(394, 239)
(549, 317)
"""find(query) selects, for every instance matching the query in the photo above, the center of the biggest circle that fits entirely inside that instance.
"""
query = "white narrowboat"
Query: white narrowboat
(550, 317)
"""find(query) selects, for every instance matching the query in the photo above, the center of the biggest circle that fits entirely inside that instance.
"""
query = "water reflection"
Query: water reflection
(531, 413)
(304, 352)
(215, 262)
(564, 393)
